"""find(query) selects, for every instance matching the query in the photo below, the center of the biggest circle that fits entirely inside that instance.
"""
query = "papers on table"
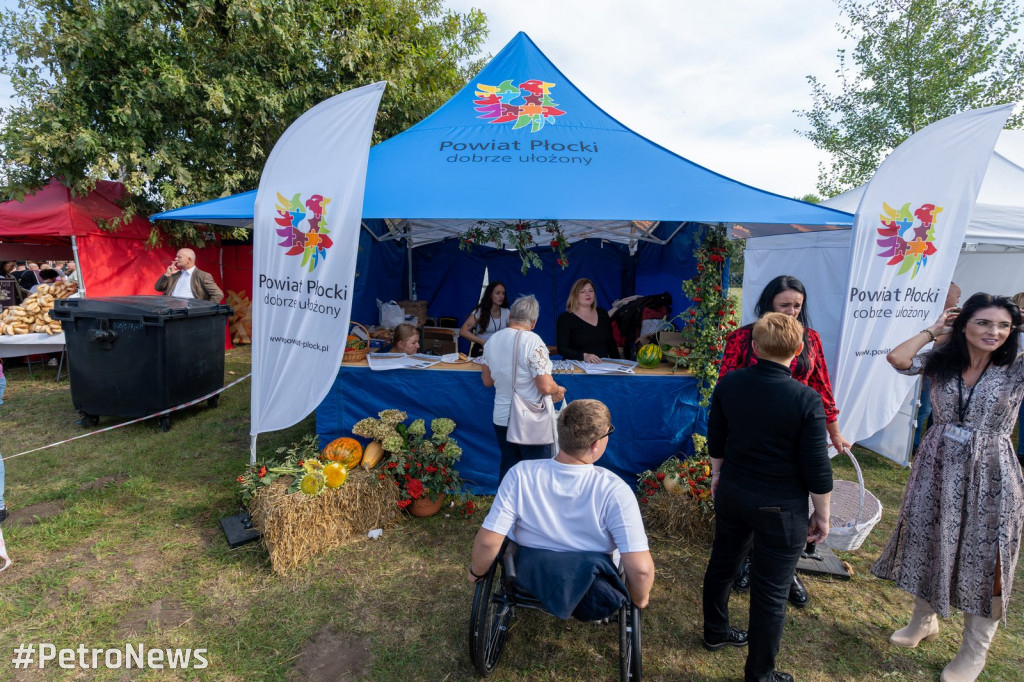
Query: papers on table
(563, 365)
(606, 366)
(380, 362)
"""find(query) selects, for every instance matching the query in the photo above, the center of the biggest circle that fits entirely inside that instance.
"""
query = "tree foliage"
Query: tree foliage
(915, 62)
(182, 100)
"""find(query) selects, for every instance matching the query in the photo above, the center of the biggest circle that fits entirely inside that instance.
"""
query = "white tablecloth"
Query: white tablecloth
(30, 344)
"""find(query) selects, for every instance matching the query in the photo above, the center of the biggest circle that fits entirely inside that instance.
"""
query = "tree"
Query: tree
(182, 100)
(915, 62)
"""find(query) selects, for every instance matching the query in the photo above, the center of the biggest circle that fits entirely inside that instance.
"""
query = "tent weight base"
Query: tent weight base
(829, 564)
(238, 529)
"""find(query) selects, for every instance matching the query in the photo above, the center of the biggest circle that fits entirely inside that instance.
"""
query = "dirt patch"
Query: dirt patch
(101, 483)
(163, 614)
(332, 655)
(34, 513)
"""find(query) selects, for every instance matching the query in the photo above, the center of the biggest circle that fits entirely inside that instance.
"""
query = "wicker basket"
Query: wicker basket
(357, 355)
(855, 512)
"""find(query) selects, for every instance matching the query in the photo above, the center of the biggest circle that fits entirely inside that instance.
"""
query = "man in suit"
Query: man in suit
(766, 439)
(184, 280)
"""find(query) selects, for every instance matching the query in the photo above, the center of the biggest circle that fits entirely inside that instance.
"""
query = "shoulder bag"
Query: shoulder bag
(529, 423)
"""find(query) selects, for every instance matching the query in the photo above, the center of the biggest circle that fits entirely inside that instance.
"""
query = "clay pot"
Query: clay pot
(426, 506)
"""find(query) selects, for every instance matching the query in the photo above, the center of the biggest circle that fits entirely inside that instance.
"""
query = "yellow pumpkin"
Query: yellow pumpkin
(373, 454)
(335, 475)
(347, 451)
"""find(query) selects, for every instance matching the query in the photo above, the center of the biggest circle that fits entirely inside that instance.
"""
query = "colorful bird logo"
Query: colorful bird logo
(312, 242)
(529, 104)
(908, 238)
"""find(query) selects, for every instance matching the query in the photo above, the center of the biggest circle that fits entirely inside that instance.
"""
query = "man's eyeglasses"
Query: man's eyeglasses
(611, 430)
(985, 324)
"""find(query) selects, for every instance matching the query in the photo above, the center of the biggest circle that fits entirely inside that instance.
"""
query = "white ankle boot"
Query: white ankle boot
(923, 626)
(978, 633)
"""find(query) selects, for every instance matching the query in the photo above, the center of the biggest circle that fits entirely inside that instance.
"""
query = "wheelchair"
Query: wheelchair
(494, 609)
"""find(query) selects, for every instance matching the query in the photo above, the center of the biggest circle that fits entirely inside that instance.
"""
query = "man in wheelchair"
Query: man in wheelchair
(570, 519)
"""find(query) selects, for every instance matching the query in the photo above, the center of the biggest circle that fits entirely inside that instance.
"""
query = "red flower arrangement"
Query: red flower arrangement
(713, 315)
(418, 465)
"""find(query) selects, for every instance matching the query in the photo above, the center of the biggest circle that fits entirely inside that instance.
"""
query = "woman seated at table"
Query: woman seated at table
(584, 330)
(488, 317)
(405, 339)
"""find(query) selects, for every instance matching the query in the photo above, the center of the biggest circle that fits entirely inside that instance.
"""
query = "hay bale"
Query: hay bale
(678, 517)
(297, 527)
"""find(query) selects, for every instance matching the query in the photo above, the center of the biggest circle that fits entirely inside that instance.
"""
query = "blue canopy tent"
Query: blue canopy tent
(521, 142)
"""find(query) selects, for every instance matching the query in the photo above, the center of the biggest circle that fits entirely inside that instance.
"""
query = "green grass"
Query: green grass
(142, 559)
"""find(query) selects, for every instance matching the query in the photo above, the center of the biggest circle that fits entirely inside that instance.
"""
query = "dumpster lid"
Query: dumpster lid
(135, 306)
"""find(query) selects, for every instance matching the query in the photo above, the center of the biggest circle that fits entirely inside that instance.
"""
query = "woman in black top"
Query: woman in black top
(584, 330)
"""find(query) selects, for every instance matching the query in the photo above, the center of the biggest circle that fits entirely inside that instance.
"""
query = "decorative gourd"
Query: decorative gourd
(649, 356)
(347, 451)
(372, 455)
(353, 342)
(335, 475)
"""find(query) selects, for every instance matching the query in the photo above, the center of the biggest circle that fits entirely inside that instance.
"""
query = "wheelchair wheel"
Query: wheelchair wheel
(490, 621)
(630, 661)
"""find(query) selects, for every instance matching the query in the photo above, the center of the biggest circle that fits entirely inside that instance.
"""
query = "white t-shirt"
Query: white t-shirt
(183, 287)
(532, 362)
(493, 325)
(567, 507)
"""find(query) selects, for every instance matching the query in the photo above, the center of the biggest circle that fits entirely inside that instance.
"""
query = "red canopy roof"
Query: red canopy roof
(54, 212)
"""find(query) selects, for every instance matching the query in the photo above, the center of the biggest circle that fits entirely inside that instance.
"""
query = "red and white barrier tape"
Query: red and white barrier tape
(134, 421)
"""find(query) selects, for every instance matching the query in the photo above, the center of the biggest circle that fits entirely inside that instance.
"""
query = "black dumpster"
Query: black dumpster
(131, 356)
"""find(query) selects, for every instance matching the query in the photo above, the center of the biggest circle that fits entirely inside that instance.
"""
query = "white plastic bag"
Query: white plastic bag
(391, 314)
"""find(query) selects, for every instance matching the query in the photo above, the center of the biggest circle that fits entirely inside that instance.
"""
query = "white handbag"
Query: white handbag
(529, 423)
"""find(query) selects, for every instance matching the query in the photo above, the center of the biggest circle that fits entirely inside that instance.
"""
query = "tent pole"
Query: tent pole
(408, 266)
(78, 266)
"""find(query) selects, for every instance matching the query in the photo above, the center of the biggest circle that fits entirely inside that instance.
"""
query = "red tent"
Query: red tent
(52, 222)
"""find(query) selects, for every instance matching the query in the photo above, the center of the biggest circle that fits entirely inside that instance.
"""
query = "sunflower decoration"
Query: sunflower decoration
(313, 483)
(335, 474)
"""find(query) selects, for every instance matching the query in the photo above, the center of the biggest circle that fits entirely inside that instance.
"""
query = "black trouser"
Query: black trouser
(514, 453)
(778, 530)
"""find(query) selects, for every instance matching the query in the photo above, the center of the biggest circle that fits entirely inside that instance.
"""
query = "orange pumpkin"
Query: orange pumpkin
(348, 451)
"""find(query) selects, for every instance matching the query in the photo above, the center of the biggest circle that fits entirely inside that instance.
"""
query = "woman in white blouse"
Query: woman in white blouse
(528, 371)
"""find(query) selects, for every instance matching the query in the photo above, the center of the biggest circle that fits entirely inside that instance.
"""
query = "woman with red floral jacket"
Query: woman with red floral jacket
(786, 294)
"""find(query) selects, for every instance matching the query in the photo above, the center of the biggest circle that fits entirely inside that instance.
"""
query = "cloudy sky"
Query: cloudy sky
(716, 82)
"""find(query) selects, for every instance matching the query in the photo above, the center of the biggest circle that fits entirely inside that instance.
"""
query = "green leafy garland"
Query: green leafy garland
(713, 314)
(519, 235)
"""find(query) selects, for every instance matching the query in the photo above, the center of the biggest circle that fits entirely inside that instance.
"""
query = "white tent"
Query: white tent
(991, 260)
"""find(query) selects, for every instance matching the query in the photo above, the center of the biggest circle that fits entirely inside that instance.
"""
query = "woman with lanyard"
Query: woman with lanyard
(488, 317)
(957, 538)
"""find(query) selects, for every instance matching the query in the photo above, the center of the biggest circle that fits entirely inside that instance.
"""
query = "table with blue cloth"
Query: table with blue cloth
(655, 412)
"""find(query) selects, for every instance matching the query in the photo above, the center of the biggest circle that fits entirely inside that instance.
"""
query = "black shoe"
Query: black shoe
(798, 596)
(735, 637)
(742, 581)
(781, 677)
(3, 514)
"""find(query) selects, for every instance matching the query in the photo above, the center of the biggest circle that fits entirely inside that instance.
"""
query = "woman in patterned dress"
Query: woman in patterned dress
(958, 535)
(786, 294)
